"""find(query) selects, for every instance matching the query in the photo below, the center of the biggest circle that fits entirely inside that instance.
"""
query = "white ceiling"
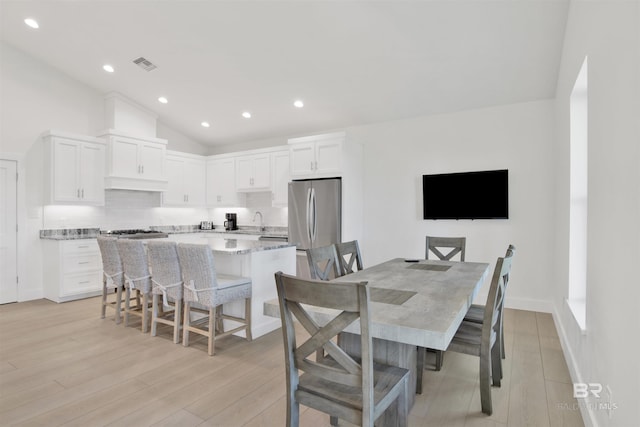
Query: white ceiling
(352, 63)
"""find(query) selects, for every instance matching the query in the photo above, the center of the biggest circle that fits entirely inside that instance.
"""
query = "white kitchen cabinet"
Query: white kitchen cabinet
(135, 163)
(73, 169)
(73, 269)
(186, 174)
(253, 172)
(317, 156)
(280, 178)
(221, 183)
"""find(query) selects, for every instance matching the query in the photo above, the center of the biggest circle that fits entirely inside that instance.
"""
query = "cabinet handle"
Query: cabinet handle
(143, 169)
(78, 193)
(187, 197)
(219, 198)
(83, 247)
(311, 167)
(83, 193)
(83, 262)
(86, 282)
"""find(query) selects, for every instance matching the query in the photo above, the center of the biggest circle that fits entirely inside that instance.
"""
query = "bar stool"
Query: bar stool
(166, 281)
(136, 278)
(112, 276)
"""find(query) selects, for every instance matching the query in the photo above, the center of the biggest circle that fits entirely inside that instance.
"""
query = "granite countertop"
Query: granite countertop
(239, 247)
(255, 231)
(70, 234)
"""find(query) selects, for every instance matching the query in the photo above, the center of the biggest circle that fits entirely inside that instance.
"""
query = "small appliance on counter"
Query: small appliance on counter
(232, 222)
(206, 225)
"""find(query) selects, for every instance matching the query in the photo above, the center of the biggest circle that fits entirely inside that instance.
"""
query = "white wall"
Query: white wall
(179, 142)
(515, 137)
(609, 33)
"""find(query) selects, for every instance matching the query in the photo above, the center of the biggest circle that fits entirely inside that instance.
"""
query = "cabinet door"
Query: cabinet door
(244, 173)
(124, 158)
(152, 161)
(175, 194)
(261, 172)
(280, 176)
(92, 160)
(328, 157)
(302, 158)
(221, 187)
(195, 178)
(66, 158)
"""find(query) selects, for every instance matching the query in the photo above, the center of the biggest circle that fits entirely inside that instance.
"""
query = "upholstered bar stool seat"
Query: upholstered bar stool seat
(112, 276)
(137, 279)
(167, 287)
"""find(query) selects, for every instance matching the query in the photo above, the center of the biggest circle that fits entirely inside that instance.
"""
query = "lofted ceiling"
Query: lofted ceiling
(350, 62)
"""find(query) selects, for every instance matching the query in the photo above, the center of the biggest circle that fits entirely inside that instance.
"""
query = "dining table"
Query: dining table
(413, 303)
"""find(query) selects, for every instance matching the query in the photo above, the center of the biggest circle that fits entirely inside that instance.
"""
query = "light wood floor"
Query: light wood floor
(60, 364)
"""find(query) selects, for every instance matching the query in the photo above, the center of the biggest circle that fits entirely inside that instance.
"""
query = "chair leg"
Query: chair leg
(118, 305)
(403, 404)
(333, 420)
(293, 411)
(127, 306)
(496, 365)
(145, 312)
(422, 354)
(247, 318)
(177, 315)
(103, 309)
(212, 330)
(186, 324)
(485, 386)
(154, 315)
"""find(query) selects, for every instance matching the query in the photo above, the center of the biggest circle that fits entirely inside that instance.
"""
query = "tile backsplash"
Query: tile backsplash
(126, 209)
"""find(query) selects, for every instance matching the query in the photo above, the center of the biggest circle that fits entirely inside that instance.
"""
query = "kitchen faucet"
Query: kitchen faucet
(262, 228)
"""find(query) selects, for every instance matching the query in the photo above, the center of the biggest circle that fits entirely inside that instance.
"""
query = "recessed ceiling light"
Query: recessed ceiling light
(32, 23)
(205, 124)
(108, 68)
(298, 104)
(246, 115)
(163, 100)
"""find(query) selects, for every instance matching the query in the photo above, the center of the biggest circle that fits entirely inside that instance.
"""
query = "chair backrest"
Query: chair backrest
(348, 255)
(352, 299)
(135, 264)
(456, 245)
(495, 300)
(198, 271)
(111, 263)
(323, 263)
(165, 266)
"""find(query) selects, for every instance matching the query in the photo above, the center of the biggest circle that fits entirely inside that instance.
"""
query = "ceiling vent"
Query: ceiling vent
(145, 64)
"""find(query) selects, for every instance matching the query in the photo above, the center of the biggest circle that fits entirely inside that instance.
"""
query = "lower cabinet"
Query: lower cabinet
(72, 269)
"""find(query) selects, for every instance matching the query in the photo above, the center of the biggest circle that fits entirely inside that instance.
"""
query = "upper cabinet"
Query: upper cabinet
(318, 156)
(186, 174)
(221, 182)
(73, 169)
(280, 178)
(135, 163)
(253, 172)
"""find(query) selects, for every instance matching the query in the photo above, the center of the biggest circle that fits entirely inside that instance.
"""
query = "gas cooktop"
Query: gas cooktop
(134, 234)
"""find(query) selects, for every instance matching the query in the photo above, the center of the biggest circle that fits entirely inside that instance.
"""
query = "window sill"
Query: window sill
(578, 308)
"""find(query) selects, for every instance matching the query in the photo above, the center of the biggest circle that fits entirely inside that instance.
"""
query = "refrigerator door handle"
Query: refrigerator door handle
(314, 232)
(309, 215)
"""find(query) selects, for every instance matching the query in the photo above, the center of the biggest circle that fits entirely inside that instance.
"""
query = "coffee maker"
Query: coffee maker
(232, 222)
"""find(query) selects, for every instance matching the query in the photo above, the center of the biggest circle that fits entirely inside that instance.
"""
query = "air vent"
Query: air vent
(145, 64)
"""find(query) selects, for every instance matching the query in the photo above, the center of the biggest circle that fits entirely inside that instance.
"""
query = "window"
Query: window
(578, 143)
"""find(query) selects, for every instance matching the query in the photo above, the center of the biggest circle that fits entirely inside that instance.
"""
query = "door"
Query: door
(195, 178)
(326, 206)
(8, 232)
(92, 159)
(175, 194)
(152, 161)
(328, 155)
(301, 158)
(299, 211)
(261, 171)
(124, 158)
(244, 173)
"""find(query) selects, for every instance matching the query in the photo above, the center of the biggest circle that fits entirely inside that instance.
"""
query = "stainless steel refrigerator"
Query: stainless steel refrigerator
(315, 207)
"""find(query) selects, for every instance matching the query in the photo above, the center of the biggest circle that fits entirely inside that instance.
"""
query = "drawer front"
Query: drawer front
(78, 283)
(82, 246)
(81, 263)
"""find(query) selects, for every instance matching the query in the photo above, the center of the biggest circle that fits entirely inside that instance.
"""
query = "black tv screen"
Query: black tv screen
(466, 195)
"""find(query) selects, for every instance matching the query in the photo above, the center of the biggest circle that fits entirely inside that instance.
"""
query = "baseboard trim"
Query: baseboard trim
(542, 306)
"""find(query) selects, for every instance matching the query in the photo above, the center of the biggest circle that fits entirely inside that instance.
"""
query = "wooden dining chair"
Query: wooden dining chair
(324, 263)
(482, 340)
(445, 249)
(137, 280)
(203, 287)
(166, 280)
(348, 255)
(355, 390)
(453, 246)
(476, 311)
(112, 276)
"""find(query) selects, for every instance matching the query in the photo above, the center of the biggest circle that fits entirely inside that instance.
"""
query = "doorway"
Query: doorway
(8, 231)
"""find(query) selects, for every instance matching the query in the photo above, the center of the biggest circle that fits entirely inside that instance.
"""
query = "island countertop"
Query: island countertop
(237, 246)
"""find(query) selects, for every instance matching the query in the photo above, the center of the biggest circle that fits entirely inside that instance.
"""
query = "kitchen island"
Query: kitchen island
(259, 260)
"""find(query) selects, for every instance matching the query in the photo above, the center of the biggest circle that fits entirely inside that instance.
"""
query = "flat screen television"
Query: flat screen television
(466, 195)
